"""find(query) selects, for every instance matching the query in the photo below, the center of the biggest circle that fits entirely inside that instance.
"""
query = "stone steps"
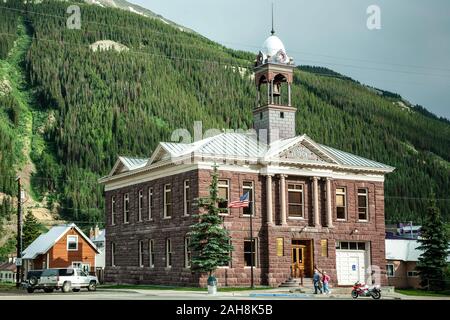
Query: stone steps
(296, 283)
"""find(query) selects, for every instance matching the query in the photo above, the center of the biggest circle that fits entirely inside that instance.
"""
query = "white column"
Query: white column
(289, 95)
(269, 199)
(329, 208)
(283, 199)
(271, 93)
(316, 202)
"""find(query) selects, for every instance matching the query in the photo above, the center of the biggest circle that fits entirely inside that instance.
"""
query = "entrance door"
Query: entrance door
(350, 266)
(298, 260)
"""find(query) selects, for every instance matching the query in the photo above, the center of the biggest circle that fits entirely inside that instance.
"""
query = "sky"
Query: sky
(409, 54)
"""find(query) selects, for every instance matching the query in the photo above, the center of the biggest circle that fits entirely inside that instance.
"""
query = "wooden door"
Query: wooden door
(298, 261)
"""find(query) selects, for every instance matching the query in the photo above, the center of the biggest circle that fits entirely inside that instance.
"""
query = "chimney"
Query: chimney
(91, 233)
(96, 231)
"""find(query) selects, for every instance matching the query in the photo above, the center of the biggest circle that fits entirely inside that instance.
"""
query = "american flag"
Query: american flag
(242, 203)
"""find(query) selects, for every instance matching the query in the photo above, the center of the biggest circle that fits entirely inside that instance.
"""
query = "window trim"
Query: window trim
(67, 240)
(219, 185)
(366, 194)
(169, 253)
(252, 196)
(393, 270)
(150, 204)
(140, 204)
(344, 193)
(113, 210)
(141, 253)
(302, 191)
(256, 261)
(187, 253)
(126, 208)
(113, 254)
(187, 189)
(166, 191)
(151, 253)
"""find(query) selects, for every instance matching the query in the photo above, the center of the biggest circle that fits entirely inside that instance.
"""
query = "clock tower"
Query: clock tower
(274, 116)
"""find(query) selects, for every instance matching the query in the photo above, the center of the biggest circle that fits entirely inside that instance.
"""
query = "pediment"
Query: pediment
(301, 152)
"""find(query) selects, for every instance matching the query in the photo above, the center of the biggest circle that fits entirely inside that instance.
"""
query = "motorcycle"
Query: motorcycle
(363, 290)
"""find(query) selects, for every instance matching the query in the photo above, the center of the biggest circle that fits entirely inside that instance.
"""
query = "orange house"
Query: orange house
(62, 246)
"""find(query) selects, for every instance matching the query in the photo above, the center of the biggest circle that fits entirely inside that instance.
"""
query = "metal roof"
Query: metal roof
(45, 241)
(133, 163)
(349, 159)
(403, 250)
(245, 146)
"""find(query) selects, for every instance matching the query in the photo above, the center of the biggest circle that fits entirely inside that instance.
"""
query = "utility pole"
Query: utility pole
(19, 233)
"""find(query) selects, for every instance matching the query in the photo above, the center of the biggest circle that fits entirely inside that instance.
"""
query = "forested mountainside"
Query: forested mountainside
(71, 110)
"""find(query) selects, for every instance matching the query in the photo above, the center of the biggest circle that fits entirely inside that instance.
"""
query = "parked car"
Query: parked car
(66, 279)
(32, 281)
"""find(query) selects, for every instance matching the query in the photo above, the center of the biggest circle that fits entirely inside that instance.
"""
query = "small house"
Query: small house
(62, 246)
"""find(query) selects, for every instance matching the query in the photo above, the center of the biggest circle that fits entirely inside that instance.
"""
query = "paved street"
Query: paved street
(132, 294)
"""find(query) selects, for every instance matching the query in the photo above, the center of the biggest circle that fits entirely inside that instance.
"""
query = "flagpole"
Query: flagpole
(253, 244)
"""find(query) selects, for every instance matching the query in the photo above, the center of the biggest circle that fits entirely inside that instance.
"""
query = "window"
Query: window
(150, 203)
(363, 206)
(167, 201)
(113, 254)
(250, 252)
(113, 210)
(390, 270)
(224, 195)
(141, 253)
(344, 245)
(126, 208)
(282, 115)
(341, 207)
(187, 197)
(77, 265)
(324, 247)
(412, 274)
(248, 187)
(140, 204)
(260, 116)
(72, 243)
(187, 252)
(168, 253)
(151, 253)
(295, 200)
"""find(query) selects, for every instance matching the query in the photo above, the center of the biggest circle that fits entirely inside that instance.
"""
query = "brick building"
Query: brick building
(313, 205)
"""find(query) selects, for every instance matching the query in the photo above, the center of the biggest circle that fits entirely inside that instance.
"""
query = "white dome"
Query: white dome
(272, 46)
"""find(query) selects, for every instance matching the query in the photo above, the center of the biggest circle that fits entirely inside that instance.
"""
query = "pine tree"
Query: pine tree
(434, 244)
(31, 229)
(210, 241)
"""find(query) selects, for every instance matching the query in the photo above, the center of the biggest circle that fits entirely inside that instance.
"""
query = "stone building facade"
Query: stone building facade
(313, 206)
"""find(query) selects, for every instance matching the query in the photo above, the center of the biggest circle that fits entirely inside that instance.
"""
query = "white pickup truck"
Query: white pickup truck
(67, 279)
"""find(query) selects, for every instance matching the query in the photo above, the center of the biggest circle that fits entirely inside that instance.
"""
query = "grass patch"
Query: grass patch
(423, 293)
(175, 288)
(7, 287)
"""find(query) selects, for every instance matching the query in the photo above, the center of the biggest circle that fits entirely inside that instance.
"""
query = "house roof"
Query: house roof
(8, 266)
(404, 250)
(230, 145)
(47, 240)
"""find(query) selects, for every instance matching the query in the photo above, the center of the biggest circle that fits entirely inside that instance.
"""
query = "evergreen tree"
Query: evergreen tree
(434, 244)
(210, 241)
(31, 229)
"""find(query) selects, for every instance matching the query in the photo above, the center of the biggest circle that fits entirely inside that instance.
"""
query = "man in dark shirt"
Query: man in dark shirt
(316, 281)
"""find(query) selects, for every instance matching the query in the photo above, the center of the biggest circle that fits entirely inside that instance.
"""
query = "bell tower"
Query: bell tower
(274, 115)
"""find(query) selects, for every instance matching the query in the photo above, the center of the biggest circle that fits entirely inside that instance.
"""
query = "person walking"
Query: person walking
(326, 282)
(316, 281)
